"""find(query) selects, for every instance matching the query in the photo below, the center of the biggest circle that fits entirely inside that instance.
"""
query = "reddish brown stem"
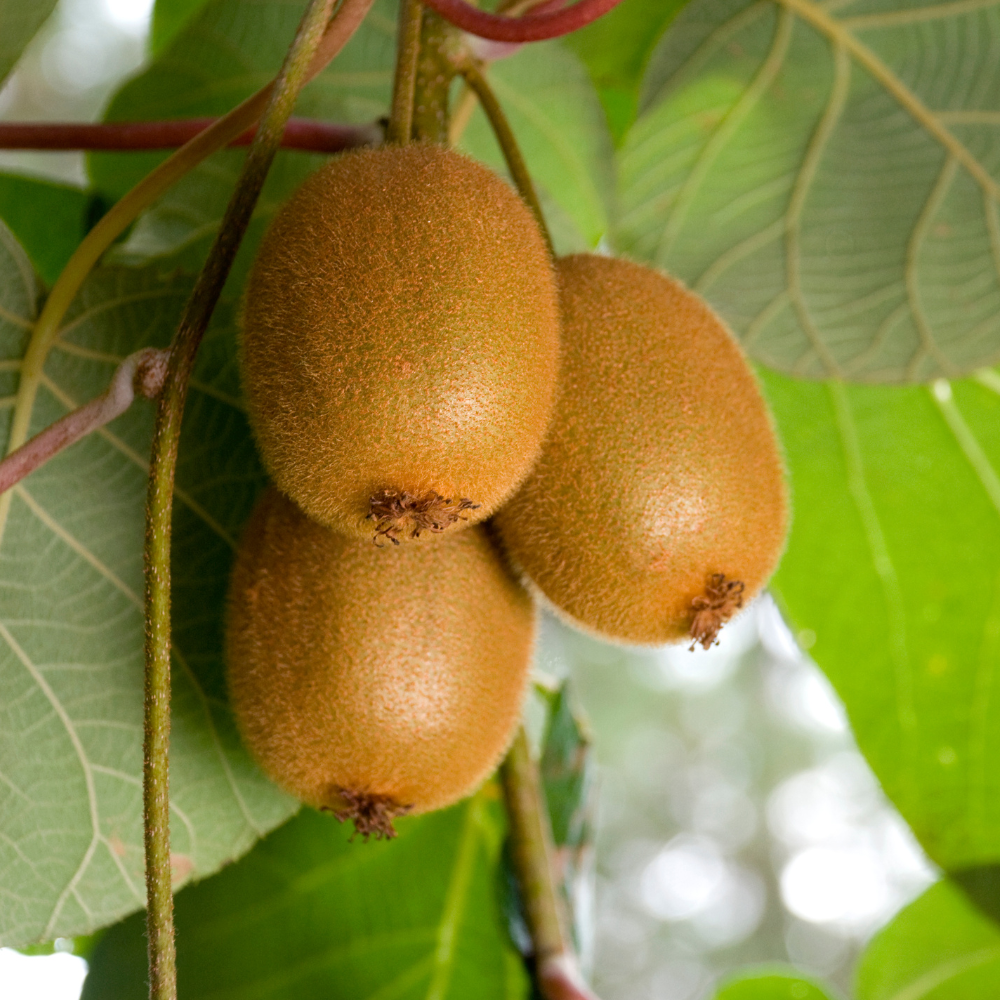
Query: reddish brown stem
(142, 373)
(559, 979)
(301, 133)
(530, 28)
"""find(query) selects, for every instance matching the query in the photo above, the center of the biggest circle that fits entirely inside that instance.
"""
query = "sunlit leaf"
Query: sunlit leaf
(772, 983)
(939, 948)
(71, 626)
(616, 48)
(312, 915)
(169, 18)
(19, 20)
(892, 570)
(828, 176)
(556, 116)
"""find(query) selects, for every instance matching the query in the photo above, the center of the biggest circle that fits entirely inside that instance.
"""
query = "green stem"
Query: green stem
(531, 850)
(400, 128)
(508, 144)
(159, 498)
(531, 841)
(440, 45)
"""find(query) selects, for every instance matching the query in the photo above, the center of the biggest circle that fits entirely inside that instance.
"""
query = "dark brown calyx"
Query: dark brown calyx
(398, 513)
(721, 600)
(372, 814)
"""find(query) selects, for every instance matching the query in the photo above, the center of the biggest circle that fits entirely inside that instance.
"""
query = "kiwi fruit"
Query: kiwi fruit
(658, 504)
(400, 343)
(371, 683)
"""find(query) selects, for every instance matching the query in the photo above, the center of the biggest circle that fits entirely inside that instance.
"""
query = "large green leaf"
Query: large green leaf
(311, 915)
(18, 23)
(47, 219)
(71, 625)
(229, 50)
(771, 983)
(892, 566)
(557, 119)
(828, 176)
(939, 948)
(169, 17)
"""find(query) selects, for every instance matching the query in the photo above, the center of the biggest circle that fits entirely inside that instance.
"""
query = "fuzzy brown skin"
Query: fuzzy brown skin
(400, 335)
(660, 470)
(371, 682)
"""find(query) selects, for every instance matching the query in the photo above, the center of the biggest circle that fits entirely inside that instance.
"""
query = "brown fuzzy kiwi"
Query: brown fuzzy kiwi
(373, 683)
(658, 505)
(400, 343)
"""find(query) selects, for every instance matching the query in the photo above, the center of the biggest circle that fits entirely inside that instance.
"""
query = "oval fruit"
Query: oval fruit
(658, 503)
(400, 342)
(374, 682)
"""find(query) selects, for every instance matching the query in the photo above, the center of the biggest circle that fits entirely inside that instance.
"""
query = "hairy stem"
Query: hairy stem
(531, 28)
(159, 498)
(508, 144)
(440, 45)
(300, 133)
(531, 850)
(400, 128)
(142, 373)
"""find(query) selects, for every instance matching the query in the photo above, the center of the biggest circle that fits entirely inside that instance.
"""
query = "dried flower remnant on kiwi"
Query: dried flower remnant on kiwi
(371, 813)
(397, 512)
(721, 600)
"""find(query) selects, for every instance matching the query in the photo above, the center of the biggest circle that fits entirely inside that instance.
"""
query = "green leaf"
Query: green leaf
(71, 624)
(228, 51)
(47, 219)
(939, 948)
(19, 21)
(616, 48)
(771, 983)
(836, 199)
(893, 565)
(566, 768)
(557, 119)
(169, 17)
(310, 914)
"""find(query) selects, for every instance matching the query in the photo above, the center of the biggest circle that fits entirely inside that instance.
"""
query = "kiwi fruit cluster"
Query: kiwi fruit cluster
(415, 363)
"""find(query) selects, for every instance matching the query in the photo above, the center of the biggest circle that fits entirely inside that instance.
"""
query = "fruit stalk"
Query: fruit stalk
(531, 847)
(300, 133)
(142, 373)
(159, 498)
(530, 28)
(400, 129)
(507, 142)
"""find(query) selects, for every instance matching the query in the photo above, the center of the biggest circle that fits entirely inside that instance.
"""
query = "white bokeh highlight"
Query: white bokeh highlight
(41, 977)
